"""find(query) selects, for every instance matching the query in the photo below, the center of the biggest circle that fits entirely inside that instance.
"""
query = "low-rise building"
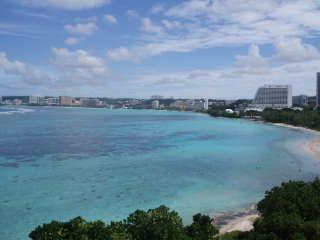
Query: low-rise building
(65, 101)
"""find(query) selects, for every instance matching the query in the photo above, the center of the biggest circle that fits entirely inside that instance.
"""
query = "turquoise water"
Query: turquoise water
(58, 163)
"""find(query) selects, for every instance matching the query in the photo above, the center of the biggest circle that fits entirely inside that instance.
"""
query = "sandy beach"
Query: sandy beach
(244, 221)
(313, 146)
(237, 221)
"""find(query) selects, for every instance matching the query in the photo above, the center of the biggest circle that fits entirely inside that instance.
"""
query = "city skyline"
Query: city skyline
(184, 49)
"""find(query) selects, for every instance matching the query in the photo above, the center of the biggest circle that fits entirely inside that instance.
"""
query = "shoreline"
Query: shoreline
(237, 221)
(312, 146)
(243, 221)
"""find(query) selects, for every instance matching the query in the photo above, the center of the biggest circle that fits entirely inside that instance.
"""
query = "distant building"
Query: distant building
(156, 97)
(0, 100)
(318, 91)
(34, 100)
(273, 96)
(65, 101)
(312, 101)
(53, 101)
(155, 104)
(206, 104)
(300, 101)
(17, 101)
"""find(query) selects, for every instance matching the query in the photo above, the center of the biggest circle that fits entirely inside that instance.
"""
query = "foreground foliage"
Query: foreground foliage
(155, 224)
(288, 212)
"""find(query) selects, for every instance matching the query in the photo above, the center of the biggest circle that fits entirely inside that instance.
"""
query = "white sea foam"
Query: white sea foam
(11, 111)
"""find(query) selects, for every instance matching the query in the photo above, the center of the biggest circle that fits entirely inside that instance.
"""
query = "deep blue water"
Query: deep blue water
(58, 163)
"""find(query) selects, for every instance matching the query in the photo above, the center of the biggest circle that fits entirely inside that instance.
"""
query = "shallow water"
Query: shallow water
(58, 163)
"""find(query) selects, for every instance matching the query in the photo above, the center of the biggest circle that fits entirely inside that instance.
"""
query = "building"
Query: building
(34, 100)
(154, 97)
(318, 91)
(155, 104)
(300, 101)
(273, 96)
(0, 100)
(53, 101)
(206, 104)
(65, 101)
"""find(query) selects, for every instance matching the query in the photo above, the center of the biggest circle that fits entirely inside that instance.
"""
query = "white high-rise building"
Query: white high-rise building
(34, 100)
(318, 91)
(155, 104)
(273, 96)
(206, 104)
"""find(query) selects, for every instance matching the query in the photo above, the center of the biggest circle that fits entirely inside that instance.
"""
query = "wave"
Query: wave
(11, 111)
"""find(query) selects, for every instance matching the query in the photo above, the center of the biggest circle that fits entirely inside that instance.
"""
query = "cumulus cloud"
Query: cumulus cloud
(66, 4)
(84, 29)
(66, 69)
(150, 27)
(28, 74)
(72, 41)
(252, 60)
(79, 68)
(294, 50)
(110, 18)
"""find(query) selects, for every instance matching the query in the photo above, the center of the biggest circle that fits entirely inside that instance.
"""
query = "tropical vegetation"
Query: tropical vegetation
(288, 212)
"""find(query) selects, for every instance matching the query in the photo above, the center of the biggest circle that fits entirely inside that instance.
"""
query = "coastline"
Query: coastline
(243, 221)
(312, 146)
(237, 221)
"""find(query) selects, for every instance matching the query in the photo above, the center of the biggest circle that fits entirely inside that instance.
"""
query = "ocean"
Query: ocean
(59, 163)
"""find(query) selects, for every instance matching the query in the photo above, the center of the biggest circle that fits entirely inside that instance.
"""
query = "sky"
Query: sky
(174, 48)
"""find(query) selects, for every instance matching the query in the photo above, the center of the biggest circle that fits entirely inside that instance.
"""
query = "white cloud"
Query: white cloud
(79, 68)
(252, 60)
(132, 13)
(120, 54)
(72, 41)
(239, 80)
(66, 4)
(214, 23)
(67, 69)
(150, 27)
(85, 29)
(158, 8)
(110, 18)
(28, 74)
(293, 50)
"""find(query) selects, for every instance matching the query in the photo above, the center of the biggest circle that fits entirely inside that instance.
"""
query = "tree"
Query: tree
(202, 228)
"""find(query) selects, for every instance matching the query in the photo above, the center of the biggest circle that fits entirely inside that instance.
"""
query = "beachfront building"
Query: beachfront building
(34, 100)
(300, 101)
(65, 101)
(318, 90)
(206, 104)
(155, 104)
(273, 96)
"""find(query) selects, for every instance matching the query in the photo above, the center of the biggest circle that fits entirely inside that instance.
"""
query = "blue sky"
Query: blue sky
(179, 48)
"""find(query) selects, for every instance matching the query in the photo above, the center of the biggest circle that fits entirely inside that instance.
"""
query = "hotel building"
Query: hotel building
(318, 91)
(273, 96)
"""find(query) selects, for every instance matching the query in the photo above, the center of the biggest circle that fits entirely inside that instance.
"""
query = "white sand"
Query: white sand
(312, 146)
(244, 223)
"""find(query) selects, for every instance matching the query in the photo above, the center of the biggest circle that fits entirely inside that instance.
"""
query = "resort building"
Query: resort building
(155, 104)
(300, 101)
(34, 100)
(65, 101)
(273, 96)
(206, 104)
(318, 90)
